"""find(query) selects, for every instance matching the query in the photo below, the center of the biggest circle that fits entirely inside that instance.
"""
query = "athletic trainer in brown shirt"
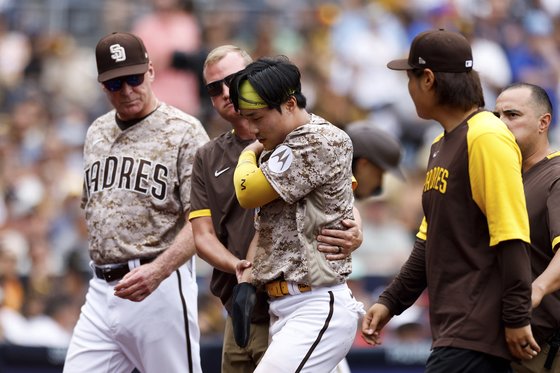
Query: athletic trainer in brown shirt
(527, 111)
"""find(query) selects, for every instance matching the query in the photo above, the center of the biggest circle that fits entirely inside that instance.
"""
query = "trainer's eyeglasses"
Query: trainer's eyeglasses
(115, 85)
(216, 88)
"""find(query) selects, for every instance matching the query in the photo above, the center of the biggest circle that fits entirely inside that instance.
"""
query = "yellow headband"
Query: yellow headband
(249, 98)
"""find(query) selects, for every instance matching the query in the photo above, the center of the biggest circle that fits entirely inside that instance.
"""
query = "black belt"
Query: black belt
(113, 272)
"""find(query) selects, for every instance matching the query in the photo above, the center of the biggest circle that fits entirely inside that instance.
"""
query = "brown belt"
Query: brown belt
(279, 288)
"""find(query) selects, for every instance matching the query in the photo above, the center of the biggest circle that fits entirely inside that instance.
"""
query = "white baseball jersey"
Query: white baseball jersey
(137, 183)
(136, 196)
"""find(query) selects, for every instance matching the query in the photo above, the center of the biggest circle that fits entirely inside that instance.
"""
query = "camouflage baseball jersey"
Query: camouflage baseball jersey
(312, 172)
(137, 183)
(472, 200)
(213, 195)
(542, 192)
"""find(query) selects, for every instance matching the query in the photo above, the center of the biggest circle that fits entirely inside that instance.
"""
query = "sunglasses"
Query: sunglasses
(116, 84)
(216, 88)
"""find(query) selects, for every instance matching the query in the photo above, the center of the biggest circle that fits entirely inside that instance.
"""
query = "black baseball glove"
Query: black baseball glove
(244, 299)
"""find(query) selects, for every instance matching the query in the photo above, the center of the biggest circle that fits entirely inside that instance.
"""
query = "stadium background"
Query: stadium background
(49, 95)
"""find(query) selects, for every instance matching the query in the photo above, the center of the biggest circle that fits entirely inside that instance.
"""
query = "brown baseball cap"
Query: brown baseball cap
(120, 54)
(377, 146)
(439, 51)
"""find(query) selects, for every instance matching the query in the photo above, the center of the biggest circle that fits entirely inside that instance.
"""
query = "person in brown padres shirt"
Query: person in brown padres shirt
(222, 228)
(527, 111)
(471, 252)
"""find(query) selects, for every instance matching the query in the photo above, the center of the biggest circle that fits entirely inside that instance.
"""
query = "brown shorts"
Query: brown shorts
(237, 359)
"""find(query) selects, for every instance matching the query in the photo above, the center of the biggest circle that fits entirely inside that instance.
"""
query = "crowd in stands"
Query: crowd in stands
(49, 95)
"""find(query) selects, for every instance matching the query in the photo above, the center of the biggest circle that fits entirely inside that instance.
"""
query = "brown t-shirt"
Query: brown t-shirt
(473, 201)
(542, 191)
(213, 195)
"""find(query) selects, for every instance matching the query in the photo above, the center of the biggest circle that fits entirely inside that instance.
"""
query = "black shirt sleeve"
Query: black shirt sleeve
(515, 268)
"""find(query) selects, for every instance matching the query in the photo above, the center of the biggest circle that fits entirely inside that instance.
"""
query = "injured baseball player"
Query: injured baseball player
(302, 183)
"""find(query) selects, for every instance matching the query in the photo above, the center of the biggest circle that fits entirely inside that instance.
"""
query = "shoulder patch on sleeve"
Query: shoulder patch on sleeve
(281, 159)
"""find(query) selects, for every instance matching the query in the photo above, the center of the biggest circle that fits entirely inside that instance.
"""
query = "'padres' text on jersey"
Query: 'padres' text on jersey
(138, 175)
(137, 183)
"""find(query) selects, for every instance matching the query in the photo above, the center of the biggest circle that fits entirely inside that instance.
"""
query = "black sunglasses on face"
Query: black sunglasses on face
(116, 84)
(216, 88)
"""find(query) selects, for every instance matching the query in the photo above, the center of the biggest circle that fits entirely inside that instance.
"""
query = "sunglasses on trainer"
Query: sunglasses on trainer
(116, 84)
(216, 88)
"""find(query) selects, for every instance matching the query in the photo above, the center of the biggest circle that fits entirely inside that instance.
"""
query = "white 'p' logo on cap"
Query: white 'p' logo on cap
(117, 53)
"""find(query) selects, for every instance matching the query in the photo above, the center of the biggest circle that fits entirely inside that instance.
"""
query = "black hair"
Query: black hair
(457, 90)
(538, 94)
(275, 79)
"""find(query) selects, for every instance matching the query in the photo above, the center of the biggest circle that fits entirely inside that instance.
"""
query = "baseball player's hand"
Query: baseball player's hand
(255, 146)
(338, 244)
(242, 271)
(521, 343)
(137, 284)
(375, 319)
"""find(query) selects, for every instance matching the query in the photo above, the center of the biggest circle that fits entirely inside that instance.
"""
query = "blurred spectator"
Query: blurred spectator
(490, 60)
(11, 286)
(172, 27)
(408, 338)
(49, 322)
(409, 326)
(359, 72)
(15, 54)
(53, 327)
(49, 94)
(386, 244)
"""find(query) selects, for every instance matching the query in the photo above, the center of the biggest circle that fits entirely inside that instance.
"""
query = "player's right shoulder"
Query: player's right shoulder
(105, 119)
(102, 122)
